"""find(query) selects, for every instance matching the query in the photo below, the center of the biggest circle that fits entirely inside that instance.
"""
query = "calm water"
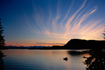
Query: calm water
(42, 60)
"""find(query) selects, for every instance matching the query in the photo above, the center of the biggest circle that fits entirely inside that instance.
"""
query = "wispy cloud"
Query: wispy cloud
(77, 25)
(61, 24)
(54, 20)
(83, 18)
(90, 29)
(67, 26)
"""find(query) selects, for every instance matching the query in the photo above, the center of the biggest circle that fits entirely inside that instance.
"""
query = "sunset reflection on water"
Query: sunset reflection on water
(42, 59)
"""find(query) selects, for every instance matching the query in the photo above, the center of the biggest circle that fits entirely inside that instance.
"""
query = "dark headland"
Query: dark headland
(82, 44)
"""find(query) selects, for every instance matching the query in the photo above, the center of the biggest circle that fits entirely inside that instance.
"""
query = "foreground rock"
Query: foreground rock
(65, 58)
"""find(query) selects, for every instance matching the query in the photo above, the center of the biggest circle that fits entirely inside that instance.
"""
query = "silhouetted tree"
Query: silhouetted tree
(97, 60)
(1, 46)
(104, 33)
(1, 61)
(1, 37)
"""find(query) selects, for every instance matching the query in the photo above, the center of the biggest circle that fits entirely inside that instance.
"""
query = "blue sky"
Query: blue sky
(51, 22)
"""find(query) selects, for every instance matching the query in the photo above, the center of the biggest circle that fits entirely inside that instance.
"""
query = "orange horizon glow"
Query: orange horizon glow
(51, 23)
(43, 44)
(28, 45)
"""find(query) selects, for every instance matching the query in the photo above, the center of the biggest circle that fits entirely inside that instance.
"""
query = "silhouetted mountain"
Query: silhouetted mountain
(84, 44)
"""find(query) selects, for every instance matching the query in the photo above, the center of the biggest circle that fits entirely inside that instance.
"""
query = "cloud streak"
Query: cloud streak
(77, 25)
(75, 29)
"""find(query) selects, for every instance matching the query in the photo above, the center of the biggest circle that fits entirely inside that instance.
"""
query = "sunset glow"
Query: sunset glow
(48, 22)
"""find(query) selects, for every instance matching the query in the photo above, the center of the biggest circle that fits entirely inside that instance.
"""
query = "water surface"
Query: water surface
(42, 60)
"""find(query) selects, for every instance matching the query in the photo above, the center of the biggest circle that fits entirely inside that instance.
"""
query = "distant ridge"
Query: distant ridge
(72, 44)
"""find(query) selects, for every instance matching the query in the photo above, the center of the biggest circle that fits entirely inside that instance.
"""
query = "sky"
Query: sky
(51, 22)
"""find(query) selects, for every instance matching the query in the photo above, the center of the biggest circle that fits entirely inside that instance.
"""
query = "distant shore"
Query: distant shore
(72, 44)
